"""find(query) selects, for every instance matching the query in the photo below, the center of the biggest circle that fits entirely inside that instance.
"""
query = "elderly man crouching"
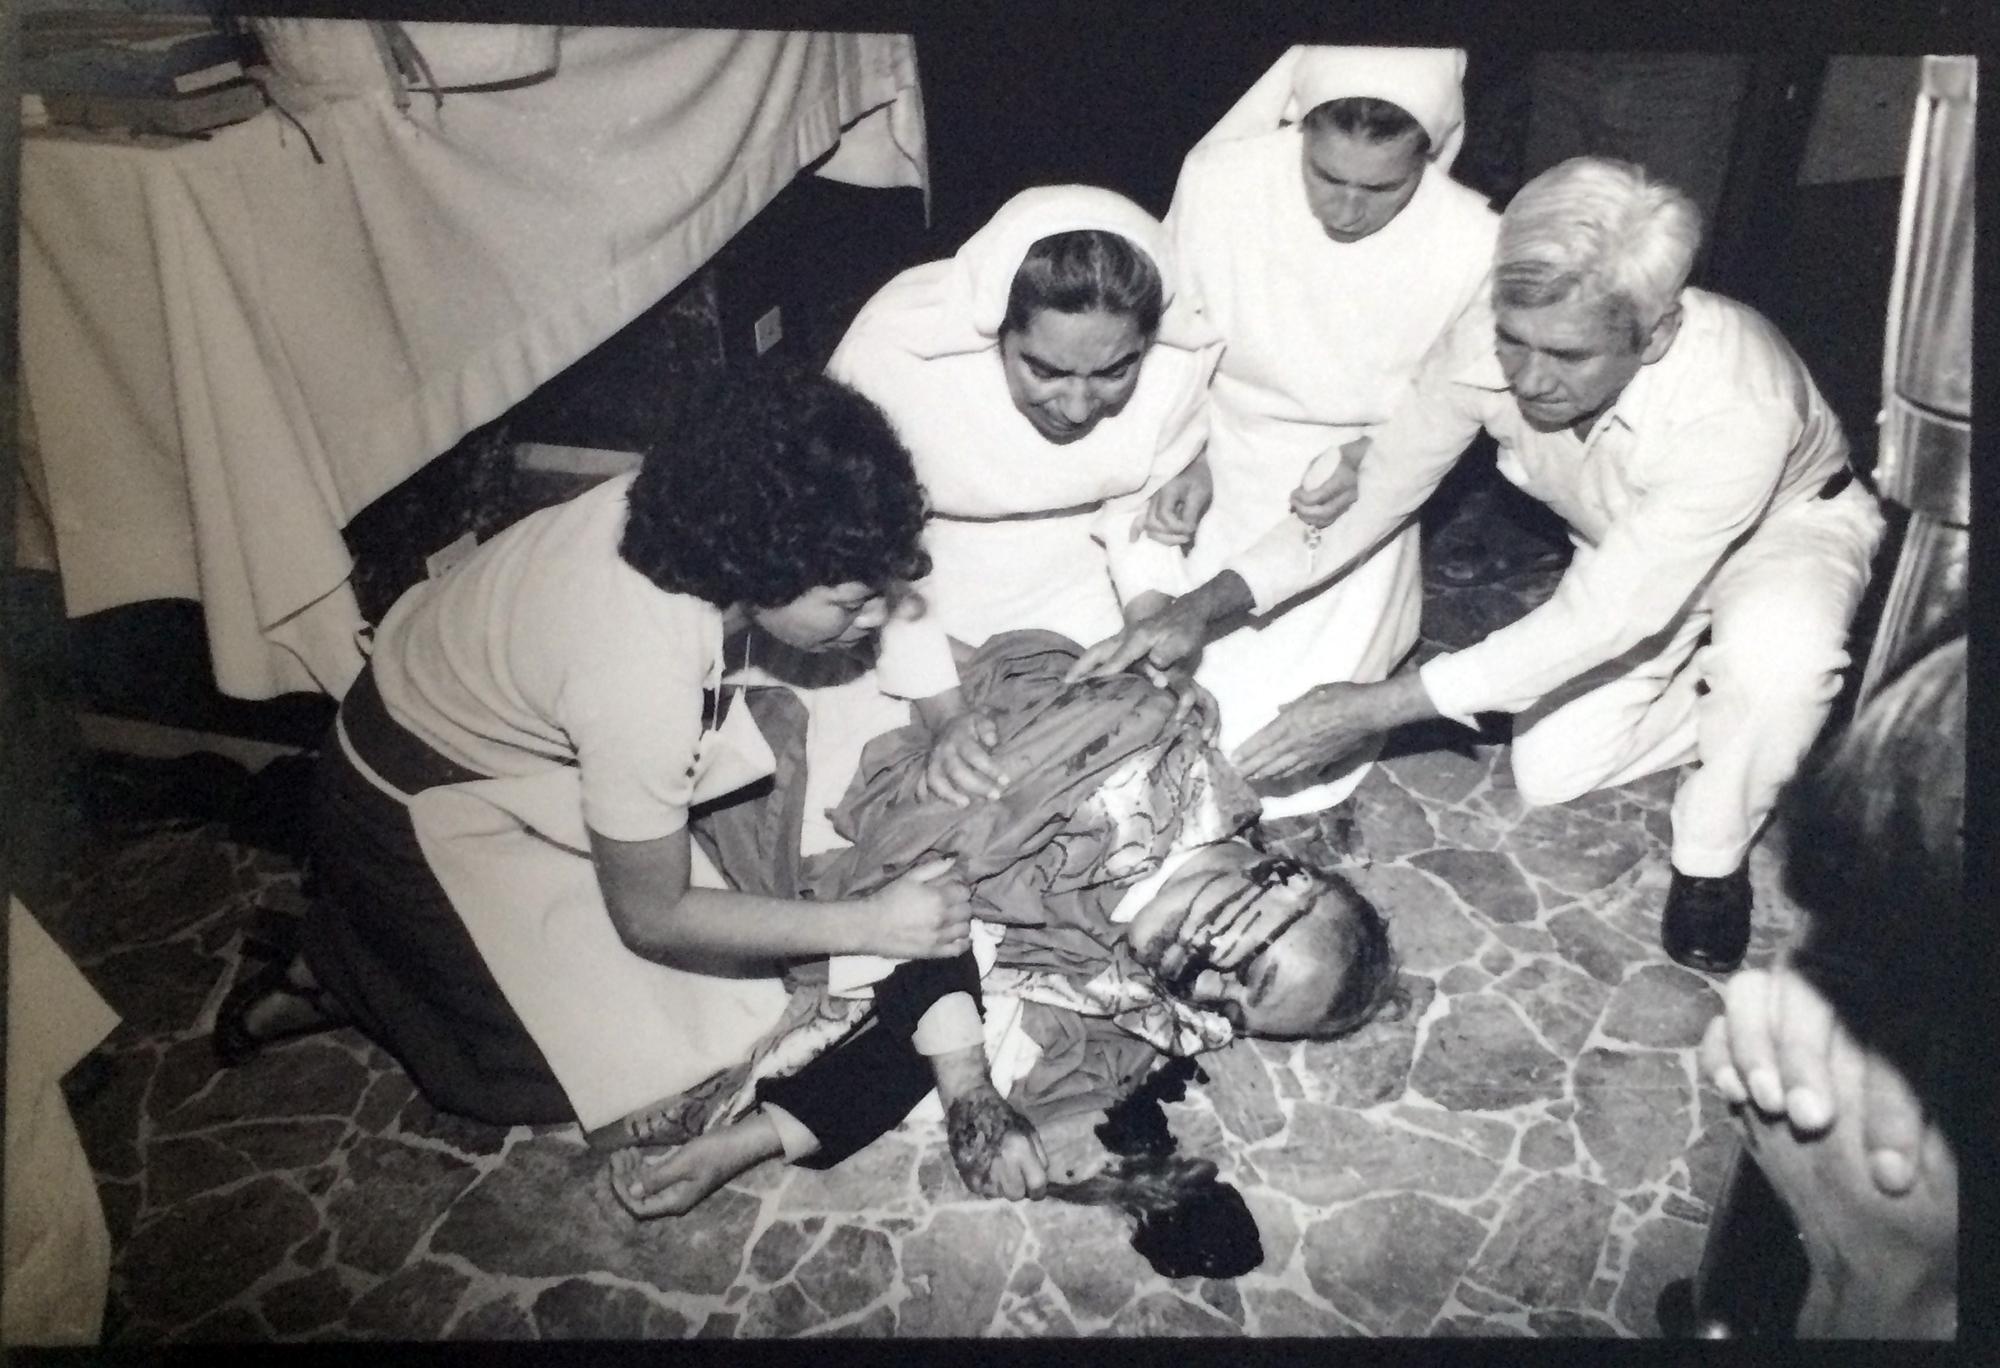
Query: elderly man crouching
(1722, 542)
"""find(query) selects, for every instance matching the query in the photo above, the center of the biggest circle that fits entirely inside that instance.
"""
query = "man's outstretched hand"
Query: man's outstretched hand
(1168, 637)
(1156, 645)
(1330, 721)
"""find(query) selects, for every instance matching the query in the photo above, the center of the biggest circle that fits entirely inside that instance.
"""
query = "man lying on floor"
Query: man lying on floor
(1127, 912)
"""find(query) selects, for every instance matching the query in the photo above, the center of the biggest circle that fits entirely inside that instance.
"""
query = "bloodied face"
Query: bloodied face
(1284, 990)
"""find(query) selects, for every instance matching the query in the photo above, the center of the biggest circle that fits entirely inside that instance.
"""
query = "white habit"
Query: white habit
(1321, 341)
(1027, 533)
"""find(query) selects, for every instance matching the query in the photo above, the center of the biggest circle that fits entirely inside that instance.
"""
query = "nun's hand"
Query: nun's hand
(961, 766)
(1176, 508)
(1330, 484)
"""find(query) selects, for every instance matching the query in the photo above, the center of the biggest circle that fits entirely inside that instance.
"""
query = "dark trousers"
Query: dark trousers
(863, 1087)
(384, 938)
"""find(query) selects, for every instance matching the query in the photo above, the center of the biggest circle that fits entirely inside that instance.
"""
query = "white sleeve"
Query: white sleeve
(1457, 387)
(1650, 563)
(1135, 561)
(632, 707)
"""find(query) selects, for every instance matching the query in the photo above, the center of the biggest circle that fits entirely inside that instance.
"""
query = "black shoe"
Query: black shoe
(1707, 922)
(234, 1042)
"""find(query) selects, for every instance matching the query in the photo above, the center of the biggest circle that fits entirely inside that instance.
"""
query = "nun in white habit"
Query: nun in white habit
(1319, 234)
(1048, 379)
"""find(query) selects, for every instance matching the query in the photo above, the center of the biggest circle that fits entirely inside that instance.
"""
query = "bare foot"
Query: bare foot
(653, 1182)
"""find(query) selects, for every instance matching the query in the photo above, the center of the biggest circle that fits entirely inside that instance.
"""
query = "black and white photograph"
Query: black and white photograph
(908, 672)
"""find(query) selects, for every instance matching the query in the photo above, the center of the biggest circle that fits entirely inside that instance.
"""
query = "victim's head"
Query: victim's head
(1325, 976)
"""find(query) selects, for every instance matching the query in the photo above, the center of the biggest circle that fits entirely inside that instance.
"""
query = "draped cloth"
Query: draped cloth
(1028, 533)
(58, 1249)
(1106, 787)
(1323, 340)
(234, 344)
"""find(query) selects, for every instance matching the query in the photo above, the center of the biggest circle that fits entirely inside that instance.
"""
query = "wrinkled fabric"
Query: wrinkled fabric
(1105, 787)
(1048, 855)
(1087, 1064)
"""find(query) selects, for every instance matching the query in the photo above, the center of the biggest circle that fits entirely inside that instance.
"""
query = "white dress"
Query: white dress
(1321, 340)
(1025, 533)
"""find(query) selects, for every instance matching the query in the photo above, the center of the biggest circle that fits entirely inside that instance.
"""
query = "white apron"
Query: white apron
(1000, 574)
(619, 1031)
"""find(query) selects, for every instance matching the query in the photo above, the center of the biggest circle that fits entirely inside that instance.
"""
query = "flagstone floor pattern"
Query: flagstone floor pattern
(1527, 1151)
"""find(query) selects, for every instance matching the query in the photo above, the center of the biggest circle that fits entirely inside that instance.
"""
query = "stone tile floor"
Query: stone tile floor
(1527, 1152)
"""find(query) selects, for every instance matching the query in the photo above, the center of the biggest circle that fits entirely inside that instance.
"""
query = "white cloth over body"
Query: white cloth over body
(58, 1250)
(1027, 533)
(1322, 341)
(232, 349)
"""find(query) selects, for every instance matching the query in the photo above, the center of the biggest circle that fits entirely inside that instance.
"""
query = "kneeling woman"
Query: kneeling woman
(501, 846)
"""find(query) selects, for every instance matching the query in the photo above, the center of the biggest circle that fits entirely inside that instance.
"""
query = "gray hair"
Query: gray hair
(1603, 229)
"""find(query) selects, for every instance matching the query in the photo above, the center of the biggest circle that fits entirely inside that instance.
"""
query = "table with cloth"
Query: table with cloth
(233, 344)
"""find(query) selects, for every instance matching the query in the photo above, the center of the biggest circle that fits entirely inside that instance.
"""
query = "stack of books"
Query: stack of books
(150, 73)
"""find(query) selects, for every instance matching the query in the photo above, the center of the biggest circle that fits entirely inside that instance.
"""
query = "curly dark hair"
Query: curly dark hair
(1367, 118)
(771, 482)
(1087, 268)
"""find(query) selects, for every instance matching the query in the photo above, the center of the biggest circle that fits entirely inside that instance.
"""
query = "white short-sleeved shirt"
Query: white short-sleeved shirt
(545, 648)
